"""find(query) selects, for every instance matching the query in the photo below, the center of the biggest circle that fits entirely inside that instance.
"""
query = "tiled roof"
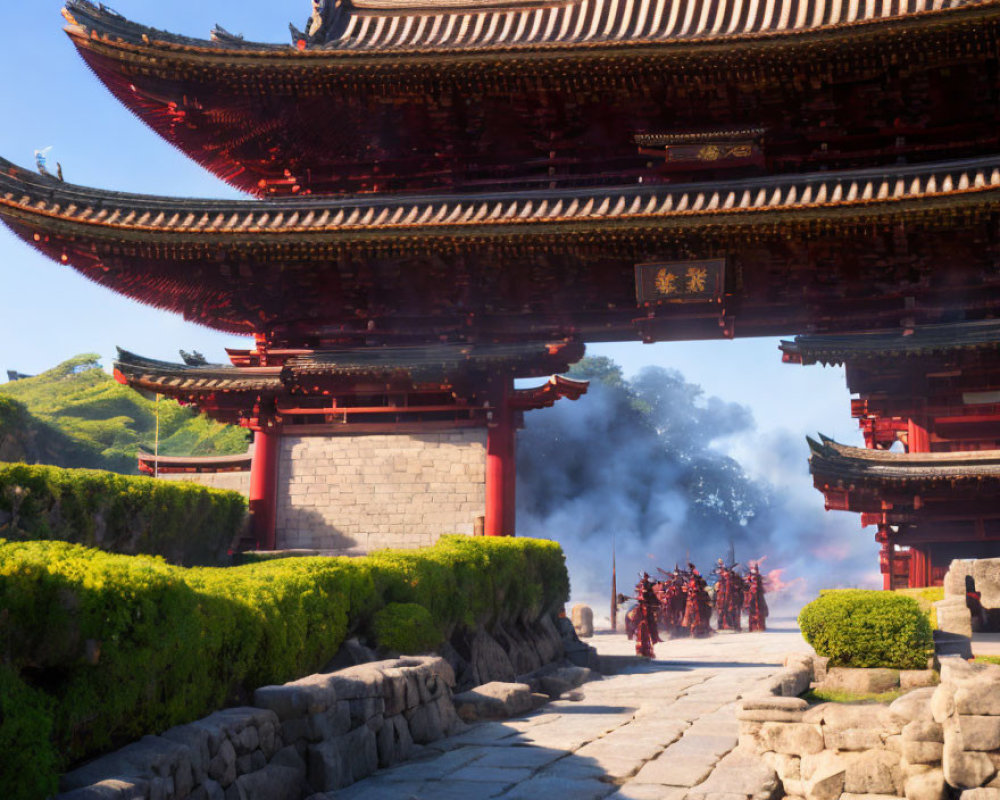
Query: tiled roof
(921, 341)
(849, 465)
(25, 194)
(436, 26)
(439, 362)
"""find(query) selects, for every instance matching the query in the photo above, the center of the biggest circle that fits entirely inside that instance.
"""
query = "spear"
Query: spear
(614, 587)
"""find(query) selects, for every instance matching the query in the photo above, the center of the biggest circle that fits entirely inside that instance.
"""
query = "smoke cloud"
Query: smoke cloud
(648, 463)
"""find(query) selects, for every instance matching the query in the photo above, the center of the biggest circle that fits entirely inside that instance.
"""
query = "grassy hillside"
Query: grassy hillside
(76, 415)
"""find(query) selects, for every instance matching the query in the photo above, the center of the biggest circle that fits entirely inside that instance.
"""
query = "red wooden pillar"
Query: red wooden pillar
(500, 467)
(918, 440)
(264, 488)
(884, 537)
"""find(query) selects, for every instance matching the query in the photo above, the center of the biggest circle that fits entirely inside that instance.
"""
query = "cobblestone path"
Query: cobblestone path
(650, 732)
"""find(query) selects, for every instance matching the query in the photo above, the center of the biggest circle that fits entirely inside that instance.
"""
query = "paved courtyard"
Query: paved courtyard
(652, 731)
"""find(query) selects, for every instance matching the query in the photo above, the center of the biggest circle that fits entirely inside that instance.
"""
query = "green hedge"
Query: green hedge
(857, 628)
(129, 645)
(406, 628)
(184, 522)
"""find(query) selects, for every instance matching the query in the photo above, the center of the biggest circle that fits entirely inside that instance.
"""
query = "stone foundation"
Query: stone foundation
(931, 743)
(317, 734)
(355, 494)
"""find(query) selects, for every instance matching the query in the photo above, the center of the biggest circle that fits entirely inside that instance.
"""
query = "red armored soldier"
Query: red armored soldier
(646, 632)
(698, 609)
(737, 595)
(723, 595)
(755, 603)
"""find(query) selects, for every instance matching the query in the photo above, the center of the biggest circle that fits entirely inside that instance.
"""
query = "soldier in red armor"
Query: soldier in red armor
(647, 604)
(670, 593)
(755, 602)
(698, 609)
(723, 594)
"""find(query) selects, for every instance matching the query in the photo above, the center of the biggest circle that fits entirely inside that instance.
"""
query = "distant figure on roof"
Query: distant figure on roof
(41, 159)
(194, 359)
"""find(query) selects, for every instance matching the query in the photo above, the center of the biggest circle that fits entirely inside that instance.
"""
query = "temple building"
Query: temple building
(452, 196)
(933, 395)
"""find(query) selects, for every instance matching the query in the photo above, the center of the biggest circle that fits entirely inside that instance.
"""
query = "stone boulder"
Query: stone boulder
(583, 620)
(495, 700)
(861, 681)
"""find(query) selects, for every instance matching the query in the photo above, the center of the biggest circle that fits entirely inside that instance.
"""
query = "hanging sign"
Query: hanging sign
(680, 281)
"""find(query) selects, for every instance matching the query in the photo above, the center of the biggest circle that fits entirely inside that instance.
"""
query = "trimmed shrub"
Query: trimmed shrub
(926, 598)
(130, 645)
(184, 522)
(858, 628)
(406, 628)
(25, 740)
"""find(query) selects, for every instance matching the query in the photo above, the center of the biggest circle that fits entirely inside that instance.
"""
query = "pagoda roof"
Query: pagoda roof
(444, 363)
(149, 463)
(505, 27)
(916, 343)
(26, 195)
(846, 466)
(249, 266)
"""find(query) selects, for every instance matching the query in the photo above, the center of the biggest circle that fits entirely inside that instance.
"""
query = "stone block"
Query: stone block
(986, 574)
(920, 731)
(844, 716)
(325, 769)
(150, 757)
(928, 785)
(494, 700)
(272, 783)
(791, 738)
(739, 775)
(772, 703)
(852, 739)
(583, 620)
(823, 776)
(980, 794)
(222, 767)
(923, 752)
(917, 678)
(981, 698)
(943, 703)
(111, 789)
(966, 770)
(874, 772)
(425, 723)
(953, 616)
(861, 681)
(301, 698)
(979, 732)
(915, 705)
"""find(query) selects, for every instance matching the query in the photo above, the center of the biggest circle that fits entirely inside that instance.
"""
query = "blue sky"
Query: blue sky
(48, 312)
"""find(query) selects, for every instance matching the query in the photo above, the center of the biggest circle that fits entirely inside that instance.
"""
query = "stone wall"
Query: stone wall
(931, 743)
(354, 494)
(953, 613)
(232, 481)
(317, 734)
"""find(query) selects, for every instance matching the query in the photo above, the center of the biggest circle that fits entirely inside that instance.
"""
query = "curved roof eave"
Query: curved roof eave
(599, 27)
(25, 195)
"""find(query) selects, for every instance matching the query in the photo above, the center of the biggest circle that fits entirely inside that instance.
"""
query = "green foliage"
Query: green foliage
(926, 598)
(836, 696)
(406, 628)
(80, 417)
(184, 522)
(858, 628)
(130, 645)
(25, 740)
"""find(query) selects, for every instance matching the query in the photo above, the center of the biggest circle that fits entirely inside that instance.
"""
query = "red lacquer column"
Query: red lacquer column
(263, 488)
(500, 473)
(918, 440)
